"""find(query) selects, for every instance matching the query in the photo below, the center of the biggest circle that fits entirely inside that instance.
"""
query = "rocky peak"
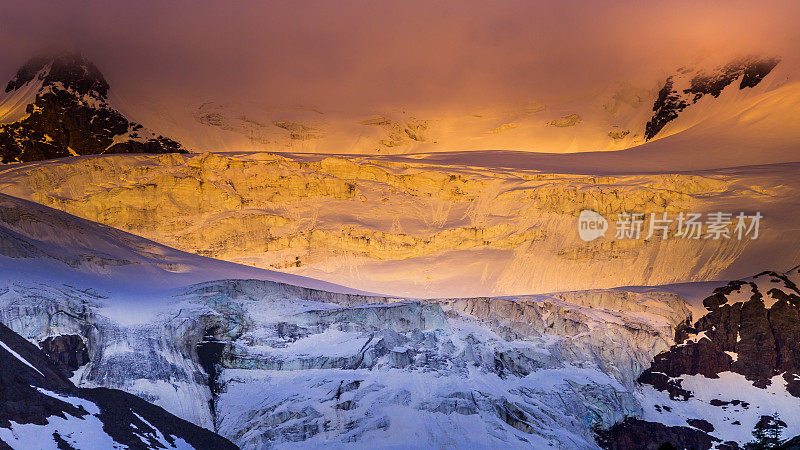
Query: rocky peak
(749, 337)
(57, 106)
(71, 70)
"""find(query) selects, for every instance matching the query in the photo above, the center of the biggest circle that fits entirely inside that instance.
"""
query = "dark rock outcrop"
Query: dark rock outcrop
(762, 336)
(667, 106)
(751, 328)
(640, 434)
(701, 424)
(671, 101)
(70, 114)
(68, 350)
(791, 444)
(20, 401)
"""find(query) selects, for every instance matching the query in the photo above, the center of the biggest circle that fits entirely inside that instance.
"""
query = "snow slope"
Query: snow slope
(740, 127)
(58, 245)
(14, 104)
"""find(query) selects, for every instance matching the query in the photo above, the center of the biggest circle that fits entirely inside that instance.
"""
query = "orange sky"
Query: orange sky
(413, 53)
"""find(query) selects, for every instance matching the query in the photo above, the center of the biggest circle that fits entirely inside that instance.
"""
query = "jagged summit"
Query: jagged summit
(57, 106)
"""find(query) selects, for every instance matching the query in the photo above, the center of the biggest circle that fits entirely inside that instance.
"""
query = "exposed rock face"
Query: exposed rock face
(667, 106)
(751, 329)
(618, 134)
(639, 434)
(570, 120)
(701, 424)
(21, 403)
(672, 99)
(68, 350)
(58, 106)
(791, 444)
(733, 367)
(397, 134)
(38, 403)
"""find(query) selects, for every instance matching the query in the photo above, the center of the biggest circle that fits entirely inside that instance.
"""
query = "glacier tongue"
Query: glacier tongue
(264, 363)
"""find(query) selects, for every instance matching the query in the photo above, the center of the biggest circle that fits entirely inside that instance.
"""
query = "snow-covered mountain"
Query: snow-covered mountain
(423, 224)
(41, 408)
(620, 115)
(349, 369)
(57, 106)
(691, 102)
(508, 329)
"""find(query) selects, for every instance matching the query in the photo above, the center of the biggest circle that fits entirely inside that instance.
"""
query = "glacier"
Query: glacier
(266, 363)
(275, 360)
(294, 369)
